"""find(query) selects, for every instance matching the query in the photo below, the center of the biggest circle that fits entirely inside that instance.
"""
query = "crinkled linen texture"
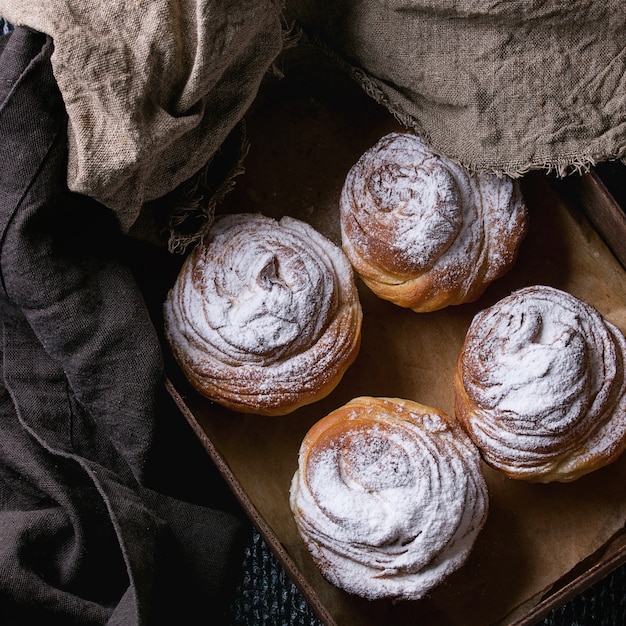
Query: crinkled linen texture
(152, 89)
(501, 86)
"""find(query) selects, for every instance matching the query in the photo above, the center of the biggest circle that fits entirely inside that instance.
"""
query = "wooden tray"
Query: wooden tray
(542, 544)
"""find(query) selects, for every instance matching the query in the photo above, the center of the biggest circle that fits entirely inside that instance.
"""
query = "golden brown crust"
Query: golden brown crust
(540, 386)
(265, 317)
(421, 231)
(388, 497)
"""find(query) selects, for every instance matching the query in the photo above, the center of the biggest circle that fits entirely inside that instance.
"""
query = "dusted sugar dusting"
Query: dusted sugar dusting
(424, 233)
(264, 316)
(388, 497)
(540, 386)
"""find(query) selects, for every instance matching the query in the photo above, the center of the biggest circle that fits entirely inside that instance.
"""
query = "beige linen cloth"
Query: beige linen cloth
(153, 87)
(498, 85)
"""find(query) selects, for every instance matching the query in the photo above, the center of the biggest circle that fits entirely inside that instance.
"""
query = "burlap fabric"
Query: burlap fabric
(152, 89)
(505, 86)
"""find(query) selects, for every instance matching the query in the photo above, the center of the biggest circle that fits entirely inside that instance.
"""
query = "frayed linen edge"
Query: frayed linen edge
(292, 34)
(559, 166)
(192, 201)
(196, 201)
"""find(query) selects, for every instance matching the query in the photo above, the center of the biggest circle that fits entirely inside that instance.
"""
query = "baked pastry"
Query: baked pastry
(264, 317)
(421, 231)
(540, 387)
(388, 497)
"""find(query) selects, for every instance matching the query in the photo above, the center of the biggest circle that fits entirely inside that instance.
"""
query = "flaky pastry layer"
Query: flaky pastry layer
(264, 317)
(421, 231)
(540, 386)
(388, 497)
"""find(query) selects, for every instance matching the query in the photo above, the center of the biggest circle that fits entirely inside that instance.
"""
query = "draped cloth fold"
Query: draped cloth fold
(152, 89)
(86, 534)
(498, 86)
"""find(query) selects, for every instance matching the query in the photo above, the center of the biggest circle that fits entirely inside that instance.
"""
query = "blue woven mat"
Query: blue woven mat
(265, 596)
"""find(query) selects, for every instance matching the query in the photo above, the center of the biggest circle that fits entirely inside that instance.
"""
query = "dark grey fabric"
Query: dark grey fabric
(86, 536)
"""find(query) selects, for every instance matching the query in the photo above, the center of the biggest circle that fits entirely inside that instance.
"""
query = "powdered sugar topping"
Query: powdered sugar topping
(259, 294)
(388, 504)
(253, 307)
(407, 211)
(546, 373)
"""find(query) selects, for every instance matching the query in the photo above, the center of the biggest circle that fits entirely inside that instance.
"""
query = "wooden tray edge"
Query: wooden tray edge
(603, 211)
(255, 517)
(593, 569)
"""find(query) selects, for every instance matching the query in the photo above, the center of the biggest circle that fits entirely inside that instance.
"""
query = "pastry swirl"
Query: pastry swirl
(424, 233)
(388, 497)
(540, 386)
(265, 316)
